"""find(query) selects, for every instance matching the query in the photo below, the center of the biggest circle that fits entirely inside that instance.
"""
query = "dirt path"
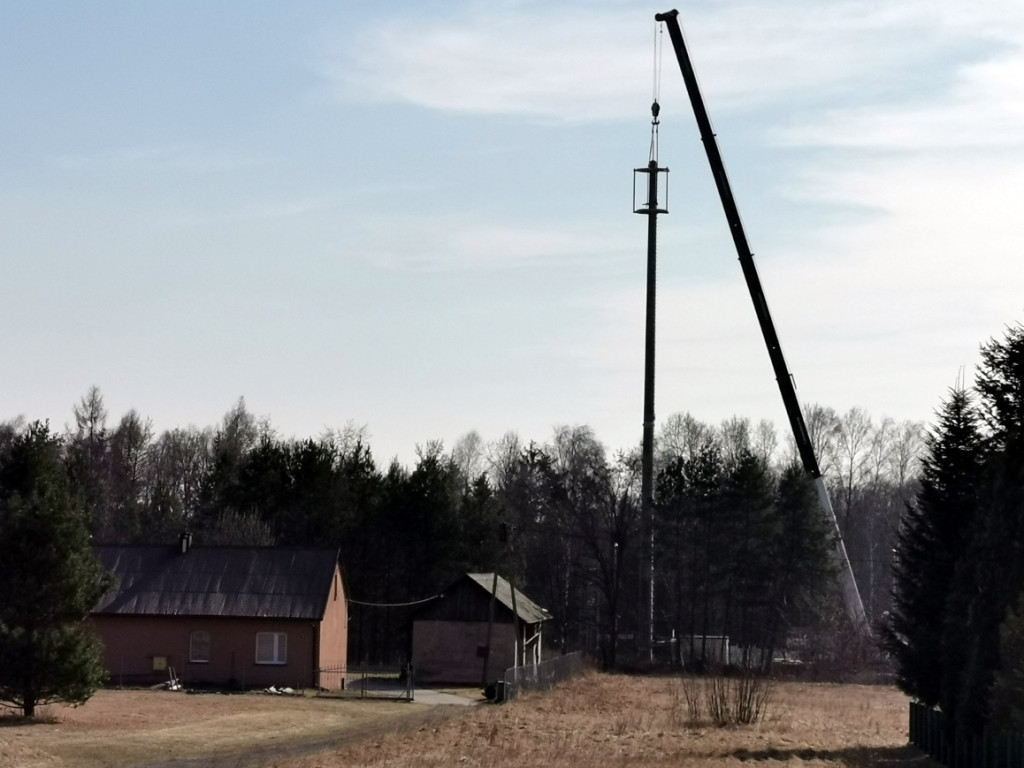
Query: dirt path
(261, 755)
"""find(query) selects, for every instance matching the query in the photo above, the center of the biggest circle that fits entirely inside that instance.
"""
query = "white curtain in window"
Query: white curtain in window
(271, 648)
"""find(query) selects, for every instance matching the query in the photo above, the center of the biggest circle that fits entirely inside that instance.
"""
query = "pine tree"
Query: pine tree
(49, 579)
(932, 541)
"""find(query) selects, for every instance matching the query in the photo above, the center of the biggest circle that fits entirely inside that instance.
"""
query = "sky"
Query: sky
(417, 217)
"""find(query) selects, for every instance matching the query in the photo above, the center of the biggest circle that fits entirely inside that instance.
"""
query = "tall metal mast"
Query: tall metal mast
(851, 595)
(650, 209)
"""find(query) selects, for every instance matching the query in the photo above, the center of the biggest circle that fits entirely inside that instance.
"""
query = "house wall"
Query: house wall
(450, 651)
(332, 641)
(132, 642)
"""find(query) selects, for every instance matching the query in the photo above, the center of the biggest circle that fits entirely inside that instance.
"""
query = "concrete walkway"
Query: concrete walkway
(427, 696)
(394, 689)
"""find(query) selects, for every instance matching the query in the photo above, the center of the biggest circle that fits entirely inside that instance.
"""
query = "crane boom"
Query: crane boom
(851, 595)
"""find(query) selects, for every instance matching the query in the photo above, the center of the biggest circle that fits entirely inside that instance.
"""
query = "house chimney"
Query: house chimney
(186, 541)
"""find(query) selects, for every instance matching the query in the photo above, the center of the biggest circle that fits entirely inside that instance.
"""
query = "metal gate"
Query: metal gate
(367, 682)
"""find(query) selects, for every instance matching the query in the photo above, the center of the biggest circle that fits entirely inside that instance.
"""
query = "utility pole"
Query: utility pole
(650, 209)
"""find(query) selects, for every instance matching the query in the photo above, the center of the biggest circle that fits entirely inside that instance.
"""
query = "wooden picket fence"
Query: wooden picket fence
(990, 750)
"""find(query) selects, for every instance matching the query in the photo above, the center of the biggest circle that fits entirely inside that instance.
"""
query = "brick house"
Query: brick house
(228, 616)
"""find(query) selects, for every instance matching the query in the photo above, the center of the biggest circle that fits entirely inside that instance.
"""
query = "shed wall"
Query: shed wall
(448, 651)
(464, 601)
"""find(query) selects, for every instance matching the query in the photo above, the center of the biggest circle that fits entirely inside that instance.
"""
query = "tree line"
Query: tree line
(715, 510)
(736, 545)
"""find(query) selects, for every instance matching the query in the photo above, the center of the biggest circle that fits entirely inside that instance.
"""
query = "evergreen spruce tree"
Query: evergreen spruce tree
(931, 545)
(49, 579)
(750, 523)
(992, 578)
(1008, 690)
(803, 555)
(1000, 384)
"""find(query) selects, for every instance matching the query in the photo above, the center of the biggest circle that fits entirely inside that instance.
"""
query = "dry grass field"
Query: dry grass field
(116, 729)
(612, 720)
(595, 721)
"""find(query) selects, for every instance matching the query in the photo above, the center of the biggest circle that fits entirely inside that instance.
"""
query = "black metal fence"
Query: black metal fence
(542, 676)
(366, 682)
(929, 733)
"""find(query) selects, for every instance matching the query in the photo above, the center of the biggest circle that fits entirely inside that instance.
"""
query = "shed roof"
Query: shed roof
(525, 608)
(247, 582)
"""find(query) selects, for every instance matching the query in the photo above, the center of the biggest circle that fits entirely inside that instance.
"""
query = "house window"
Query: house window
(199, 647)
(271, 648)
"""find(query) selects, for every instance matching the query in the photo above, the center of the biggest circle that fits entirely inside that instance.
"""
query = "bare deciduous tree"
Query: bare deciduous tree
(468, 456)
(682, 436)
(502, 457)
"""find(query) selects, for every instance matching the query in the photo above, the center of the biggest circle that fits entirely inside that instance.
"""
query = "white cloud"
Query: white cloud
(984, 108)
(516, 61)
(596, 63)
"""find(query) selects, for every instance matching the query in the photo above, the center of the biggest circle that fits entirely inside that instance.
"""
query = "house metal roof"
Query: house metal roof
(245, 582)
(526, 609)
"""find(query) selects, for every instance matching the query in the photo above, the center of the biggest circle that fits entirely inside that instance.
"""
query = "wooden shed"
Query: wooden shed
(238, 616)
(475, 630)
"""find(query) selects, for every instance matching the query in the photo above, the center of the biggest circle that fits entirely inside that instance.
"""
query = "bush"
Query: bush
(740, 699)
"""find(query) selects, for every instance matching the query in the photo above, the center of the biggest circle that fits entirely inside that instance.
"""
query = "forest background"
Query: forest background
(740, 547)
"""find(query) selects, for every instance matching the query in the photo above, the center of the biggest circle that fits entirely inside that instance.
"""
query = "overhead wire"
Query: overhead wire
(396, 605)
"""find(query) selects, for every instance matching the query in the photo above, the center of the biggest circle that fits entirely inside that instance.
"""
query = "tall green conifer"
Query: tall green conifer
(49, 580)
(932, 541)
(991, 582)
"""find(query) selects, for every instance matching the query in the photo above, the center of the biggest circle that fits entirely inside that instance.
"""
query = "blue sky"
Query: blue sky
(417, 216)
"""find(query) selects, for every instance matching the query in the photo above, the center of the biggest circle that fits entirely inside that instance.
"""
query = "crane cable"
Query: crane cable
(659, 30)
